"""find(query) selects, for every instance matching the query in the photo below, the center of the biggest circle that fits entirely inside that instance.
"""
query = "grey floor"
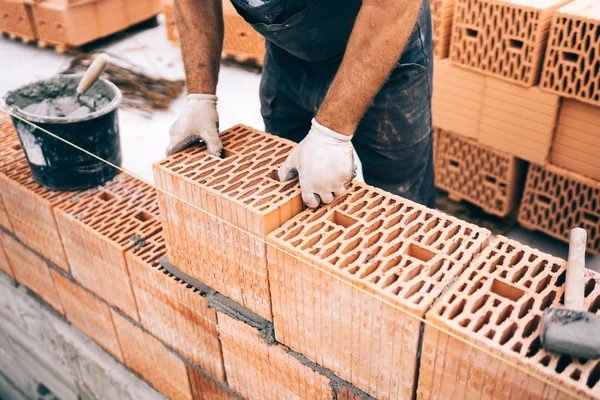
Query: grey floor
(145, 139)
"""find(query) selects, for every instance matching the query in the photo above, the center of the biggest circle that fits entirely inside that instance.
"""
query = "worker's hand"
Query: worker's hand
(198, 121)
(324, 162)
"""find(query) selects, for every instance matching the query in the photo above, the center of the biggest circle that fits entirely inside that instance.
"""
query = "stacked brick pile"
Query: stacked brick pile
(71, 23)
(241, 42)
(521, 84)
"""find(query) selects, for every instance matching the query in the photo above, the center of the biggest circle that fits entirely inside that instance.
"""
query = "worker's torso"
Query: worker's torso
(312, 30)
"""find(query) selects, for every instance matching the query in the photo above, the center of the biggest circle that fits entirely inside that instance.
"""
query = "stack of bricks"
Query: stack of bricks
(497, 304)
(71, 23)
(241, 43)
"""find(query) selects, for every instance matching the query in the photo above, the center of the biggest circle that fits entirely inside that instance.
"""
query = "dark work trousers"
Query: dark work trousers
(394, 137)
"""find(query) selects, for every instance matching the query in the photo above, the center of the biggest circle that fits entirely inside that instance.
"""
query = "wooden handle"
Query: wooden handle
(93, 73)
(574, 286)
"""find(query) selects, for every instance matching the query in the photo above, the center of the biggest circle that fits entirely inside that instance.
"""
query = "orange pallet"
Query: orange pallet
(98, 226)
(497, 304)
(215, 211)
(556, 200)
(367, 247)
(171, 310)
(504, 38)
(572, 56)
(470, 171)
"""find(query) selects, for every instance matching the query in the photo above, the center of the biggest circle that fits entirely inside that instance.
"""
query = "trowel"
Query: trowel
(91, 76)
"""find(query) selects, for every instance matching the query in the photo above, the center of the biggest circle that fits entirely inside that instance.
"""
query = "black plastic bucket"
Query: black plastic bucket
(58, 165)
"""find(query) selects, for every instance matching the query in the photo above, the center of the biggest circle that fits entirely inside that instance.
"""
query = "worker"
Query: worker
(338, 75)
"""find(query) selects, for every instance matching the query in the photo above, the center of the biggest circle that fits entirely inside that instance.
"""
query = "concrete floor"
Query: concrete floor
(144, 139)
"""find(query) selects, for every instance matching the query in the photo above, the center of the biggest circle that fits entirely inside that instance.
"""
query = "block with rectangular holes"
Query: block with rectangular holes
(257, 370)
(88, 314)
(504, 38)
(31, 271)
(496, 305)
(30, 207)
(556, 200)
(573, 53)
(442, 12)
(10, 151)
(97, 227)
(173, 311)
(468, 170)
(576, 142)
(240, 40)
(348, 279)
(217, 211)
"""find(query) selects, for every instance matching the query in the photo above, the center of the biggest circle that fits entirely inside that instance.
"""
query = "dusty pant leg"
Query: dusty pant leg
(283, 116)
(394, 138)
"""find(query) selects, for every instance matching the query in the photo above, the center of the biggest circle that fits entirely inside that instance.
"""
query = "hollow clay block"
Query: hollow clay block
(504, 38)
(348, 279)
(442, 13)
(486, 177)
(10, 151)
(97, 227)
(217, 211)
(556, 200)
(497, 304)
(171, 310)
(17, 20)
(257, 370)
(573, 52)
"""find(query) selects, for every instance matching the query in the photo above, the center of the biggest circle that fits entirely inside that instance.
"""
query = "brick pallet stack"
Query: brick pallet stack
(520, 85)
(241, 42)
(63, 24)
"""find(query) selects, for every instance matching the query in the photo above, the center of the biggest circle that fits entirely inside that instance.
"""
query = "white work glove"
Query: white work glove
(325, 161)
(198, 121)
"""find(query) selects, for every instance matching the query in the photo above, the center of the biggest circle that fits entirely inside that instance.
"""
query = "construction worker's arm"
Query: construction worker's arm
(200, 27)
(324, 159)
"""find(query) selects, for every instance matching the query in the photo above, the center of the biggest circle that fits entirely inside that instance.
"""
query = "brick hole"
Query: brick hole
(390, 280)
(542, 284)
(374, 227)
(504, 314)
(455, 164)
(503, 274)
(479, 303)
(293, 233)
(358, 207)
(561, 279)
(534, 347)
(576, 374)
(457, 309)
(482, 321)
(563, 362)
(531, 326)
(349, 260)
(465, 322)
(332, 237)
(418, 252)
(393, 222)
(331, 250)
(393, 211)
(519, 274)
(354, 270)
(352, 233)
(506, 291)
(490, 179)
(351, 246)
(545, 200)
(342, 219)
(590, 218)
(528, 283)
(490, 334)
(595, 306)
(516, 44)
(105, 196)
(570, 57)
(392, 250)
(545, 361)
(412, 290)
(312, 242)
(508, 334)
(314, 229)
(493, 266)
(16, 147)
(526, 307)
(434, 269)
(541, 266)
(594, 376)
(143, 216)
(412, 216)
(547, 301)
(413, 273)
(455, 246)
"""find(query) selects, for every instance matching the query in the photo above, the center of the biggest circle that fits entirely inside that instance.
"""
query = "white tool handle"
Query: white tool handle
(574, 286)
(93, 73)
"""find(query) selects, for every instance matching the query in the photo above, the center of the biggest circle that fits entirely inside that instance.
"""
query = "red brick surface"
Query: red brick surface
(576, 143)
(497, 304)
(204, 388)
(556, 200)
(573, 53)
(379, 256)
(148, 357)
(31, 272)
(98, 226)
(504, 38)
(88, 314)
(479, 174)
(256, 370)
(239, 189)
(172, 311)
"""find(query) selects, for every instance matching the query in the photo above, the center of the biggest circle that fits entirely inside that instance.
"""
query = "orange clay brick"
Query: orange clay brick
(31, 272)
(257, 370)
(30, 208)
(172, 311)
(241, 40)
(504, 38)
(576, 143)
(149, 358)
(240, 189)
(573, 53)
(359, 266)
(497, 304)
(75, 25)
(172, 34)
(4, 263)
(204, 388)
(138, 11)
(517, 120)
(481, 175)
(10, 151)
(97, 227)
(88, 314)
(16, 19)
(457, 98)
(556, 200)
(442, 12)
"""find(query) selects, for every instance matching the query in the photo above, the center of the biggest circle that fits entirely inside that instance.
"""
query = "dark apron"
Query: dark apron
(311, 30)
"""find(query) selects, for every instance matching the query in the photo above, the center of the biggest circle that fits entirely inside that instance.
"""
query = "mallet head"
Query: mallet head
(572, 332)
